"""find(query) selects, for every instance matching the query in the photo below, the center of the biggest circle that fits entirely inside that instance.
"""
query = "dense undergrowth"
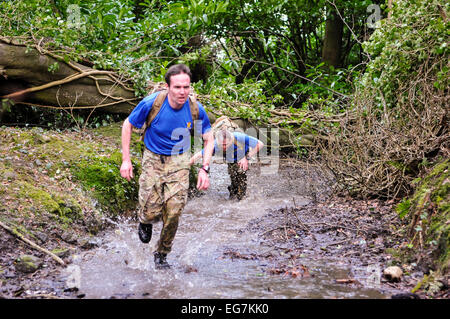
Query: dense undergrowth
(396, 145)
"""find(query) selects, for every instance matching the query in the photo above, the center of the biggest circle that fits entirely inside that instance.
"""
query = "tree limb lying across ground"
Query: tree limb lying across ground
(33, 76)
(32, 244)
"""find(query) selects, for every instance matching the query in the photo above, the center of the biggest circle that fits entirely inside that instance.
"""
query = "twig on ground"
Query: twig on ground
(301, 223)
(32, 244)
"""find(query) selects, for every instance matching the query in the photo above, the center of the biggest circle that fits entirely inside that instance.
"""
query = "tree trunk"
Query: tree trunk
(331, 50)
(25, 78)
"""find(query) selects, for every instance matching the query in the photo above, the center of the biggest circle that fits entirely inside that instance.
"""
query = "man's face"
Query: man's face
(226, 143)
(179, 89)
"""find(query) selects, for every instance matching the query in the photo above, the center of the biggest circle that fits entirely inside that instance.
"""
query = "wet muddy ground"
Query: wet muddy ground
(348, 233)
(351, 234)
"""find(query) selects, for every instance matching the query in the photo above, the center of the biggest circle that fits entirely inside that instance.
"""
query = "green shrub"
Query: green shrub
(101, 176)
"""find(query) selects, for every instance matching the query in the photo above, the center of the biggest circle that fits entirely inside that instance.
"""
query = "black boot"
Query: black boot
(145, 232)
(160, 261)
(232, 192)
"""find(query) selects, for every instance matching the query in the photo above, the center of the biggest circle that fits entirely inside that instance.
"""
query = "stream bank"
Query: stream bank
(289, 236)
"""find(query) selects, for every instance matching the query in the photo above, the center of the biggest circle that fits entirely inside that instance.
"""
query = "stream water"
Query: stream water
(123, 267)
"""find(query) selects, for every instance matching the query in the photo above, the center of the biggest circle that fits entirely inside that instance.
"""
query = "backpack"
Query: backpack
(158, 102)
(225, 123)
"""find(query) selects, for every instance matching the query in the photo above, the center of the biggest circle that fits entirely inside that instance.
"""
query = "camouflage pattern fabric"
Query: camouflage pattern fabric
(163, 190)
(238, 177)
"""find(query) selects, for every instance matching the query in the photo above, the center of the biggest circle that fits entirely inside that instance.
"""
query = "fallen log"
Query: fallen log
(32, 76)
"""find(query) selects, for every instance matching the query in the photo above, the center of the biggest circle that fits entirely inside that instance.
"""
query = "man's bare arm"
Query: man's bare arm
(195, 158)
(126, 169)
(256, 149)
(208, 139)
(243, 163)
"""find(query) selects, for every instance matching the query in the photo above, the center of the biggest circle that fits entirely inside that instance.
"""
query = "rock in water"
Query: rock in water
(73, 281)
(27, 263)
(393, 273)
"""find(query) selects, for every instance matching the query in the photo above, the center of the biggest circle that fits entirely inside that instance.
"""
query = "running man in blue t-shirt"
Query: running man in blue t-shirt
(236, 148)
(164, 181)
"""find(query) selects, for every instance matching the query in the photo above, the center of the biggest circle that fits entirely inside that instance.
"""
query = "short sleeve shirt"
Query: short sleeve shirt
(169, 133)
(238, 149)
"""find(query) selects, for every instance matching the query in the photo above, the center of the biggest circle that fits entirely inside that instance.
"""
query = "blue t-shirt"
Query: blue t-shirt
(236, 151)
(169, 133)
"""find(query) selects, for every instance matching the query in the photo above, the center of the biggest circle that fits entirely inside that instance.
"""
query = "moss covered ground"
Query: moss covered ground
(61, 180)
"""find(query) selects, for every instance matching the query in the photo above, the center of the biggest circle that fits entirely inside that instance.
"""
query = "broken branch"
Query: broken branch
(32, 244)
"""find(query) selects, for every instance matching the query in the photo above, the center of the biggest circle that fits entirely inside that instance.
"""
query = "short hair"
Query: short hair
(177, 69)
(222, 135)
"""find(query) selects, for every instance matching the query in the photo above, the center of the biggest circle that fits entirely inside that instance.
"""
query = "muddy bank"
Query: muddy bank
(55, 190)
(356, 235)
(46, 280)
(47, 199)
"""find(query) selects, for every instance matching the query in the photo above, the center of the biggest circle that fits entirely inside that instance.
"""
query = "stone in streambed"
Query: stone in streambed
(73, 280)
(69, 237)
(88, 243)
(27, 263)
(393, 273)
(62, 252)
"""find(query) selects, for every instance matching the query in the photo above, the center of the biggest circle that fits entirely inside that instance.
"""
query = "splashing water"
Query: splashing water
(123, 267)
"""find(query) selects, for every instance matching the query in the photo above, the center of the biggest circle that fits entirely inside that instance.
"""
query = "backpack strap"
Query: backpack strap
(194, 112)
(194, 107)
(156, 107)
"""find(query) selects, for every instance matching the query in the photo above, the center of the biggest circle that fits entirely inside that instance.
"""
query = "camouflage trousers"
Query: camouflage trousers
(238, 177)
(163, 190)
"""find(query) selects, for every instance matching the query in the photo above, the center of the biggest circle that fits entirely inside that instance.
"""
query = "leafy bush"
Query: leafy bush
(413, 45)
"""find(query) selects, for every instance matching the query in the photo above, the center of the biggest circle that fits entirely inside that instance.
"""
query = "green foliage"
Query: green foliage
(101, 31)
(279, 41)
(246, 100)
(428, 210)
(65, 209)
(416, 39)
(403, 208)
(399, 107)
(101, 176)
(273, 41)
(327, 90)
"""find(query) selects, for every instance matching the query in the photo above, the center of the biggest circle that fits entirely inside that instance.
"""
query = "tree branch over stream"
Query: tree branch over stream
(35, 76)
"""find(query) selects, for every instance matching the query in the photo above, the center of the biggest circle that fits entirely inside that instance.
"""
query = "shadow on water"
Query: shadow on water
(210, 225)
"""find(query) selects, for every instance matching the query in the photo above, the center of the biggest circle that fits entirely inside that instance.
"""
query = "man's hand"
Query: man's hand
(243, 164)
(126, 170)
(203, 180)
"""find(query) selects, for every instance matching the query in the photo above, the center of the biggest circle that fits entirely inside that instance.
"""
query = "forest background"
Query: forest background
(360, 86)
